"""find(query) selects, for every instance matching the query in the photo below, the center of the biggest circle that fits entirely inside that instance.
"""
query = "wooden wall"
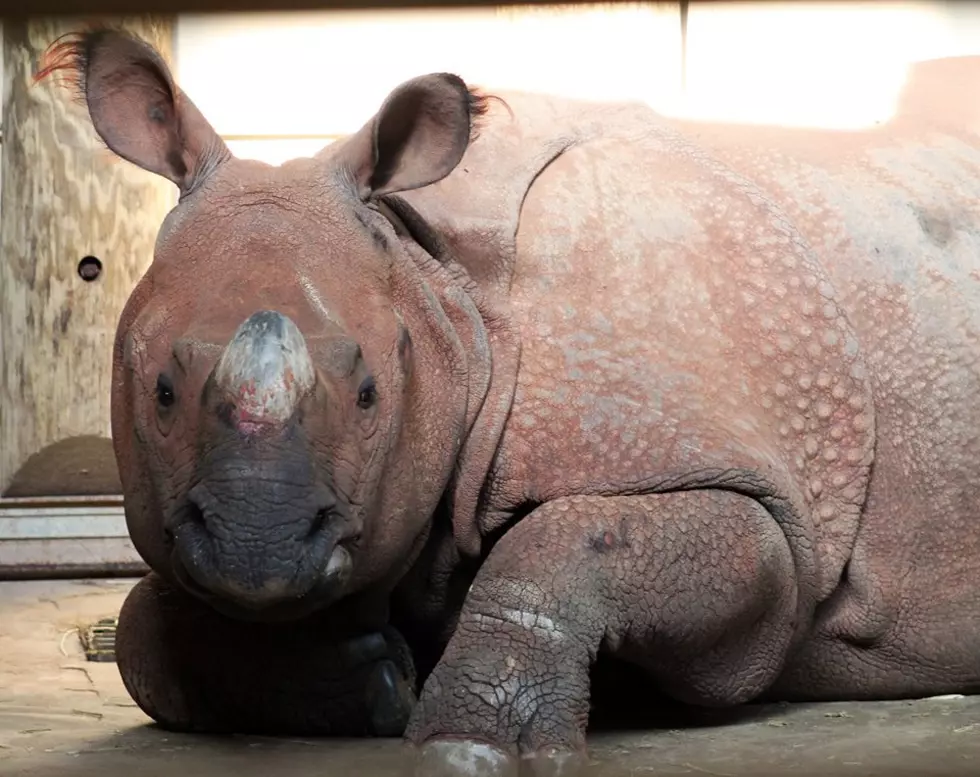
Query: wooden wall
(64, 198)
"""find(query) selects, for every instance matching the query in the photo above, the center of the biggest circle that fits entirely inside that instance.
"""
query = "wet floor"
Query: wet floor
(63, 716)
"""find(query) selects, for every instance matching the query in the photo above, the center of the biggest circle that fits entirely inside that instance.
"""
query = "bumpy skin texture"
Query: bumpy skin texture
(698, 398)
(759, 317)
(705, 608)
(894, 215)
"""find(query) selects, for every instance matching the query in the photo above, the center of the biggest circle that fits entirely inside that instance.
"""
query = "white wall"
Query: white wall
(819, 64)
(825, 64)
(326, 73)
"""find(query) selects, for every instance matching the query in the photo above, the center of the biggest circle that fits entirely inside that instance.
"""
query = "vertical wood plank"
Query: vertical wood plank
(64, 197)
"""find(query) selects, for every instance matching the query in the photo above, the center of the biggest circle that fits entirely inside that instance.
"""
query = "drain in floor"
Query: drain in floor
(99, 640)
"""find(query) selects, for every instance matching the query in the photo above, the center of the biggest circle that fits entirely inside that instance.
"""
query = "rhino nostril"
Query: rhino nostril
(189, 513)
(318, 523)
(195, 513)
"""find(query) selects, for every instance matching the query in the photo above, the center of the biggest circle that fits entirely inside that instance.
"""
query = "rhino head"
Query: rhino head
(287, 392)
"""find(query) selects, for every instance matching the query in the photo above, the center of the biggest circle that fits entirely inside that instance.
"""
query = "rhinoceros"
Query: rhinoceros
(502, 385)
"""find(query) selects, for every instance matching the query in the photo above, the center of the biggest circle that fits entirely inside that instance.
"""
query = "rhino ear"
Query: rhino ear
(417, 137)
(135, 107)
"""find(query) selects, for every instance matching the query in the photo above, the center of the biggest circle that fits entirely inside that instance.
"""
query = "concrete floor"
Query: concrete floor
(62, 716)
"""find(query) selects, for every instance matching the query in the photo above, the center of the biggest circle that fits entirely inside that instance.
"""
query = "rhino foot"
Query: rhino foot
(389, 700)
(504, 699)
(191, 669)
(472, 758)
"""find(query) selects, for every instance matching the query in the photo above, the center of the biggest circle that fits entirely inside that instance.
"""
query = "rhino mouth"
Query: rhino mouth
(281, 571)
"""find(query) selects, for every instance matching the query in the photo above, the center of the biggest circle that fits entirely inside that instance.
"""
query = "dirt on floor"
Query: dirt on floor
(64, 716)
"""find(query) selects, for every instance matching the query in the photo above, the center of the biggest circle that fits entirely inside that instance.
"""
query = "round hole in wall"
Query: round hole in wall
(89, 268)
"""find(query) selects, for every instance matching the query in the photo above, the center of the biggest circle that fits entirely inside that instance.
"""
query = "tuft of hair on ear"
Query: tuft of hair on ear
(479, 105)
(69, 55)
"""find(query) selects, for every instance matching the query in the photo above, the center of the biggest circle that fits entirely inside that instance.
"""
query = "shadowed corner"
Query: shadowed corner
(84, 465)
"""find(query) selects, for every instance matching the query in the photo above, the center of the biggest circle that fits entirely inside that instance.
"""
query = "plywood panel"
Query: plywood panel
(64, 197)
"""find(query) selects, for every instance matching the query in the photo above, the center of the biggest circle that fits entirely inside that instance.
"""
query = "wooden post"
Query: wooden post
(77, 230)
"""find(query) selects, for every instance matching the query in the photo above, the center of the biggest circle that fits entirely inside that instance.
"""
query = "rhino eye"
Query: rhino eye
(165, 391)
(367, 394)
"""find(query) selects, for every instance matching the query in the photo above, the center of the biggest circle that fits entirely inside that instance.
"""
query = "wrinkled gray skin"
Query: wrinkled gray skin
(703, 400)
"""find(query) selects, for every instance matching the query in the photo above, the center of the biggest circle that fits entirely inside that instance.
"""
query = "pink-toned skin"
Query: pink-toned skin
(700, 397)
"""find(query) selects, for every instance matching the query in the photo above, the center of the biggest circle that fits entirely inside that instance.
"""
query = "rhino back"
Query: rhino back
(673, 321)
(799, 303)
(894, 216)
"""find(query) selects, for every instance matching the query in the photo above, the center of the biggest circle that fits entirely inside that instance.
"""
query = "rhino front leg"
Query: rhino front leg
(191, 669)
(697, 587)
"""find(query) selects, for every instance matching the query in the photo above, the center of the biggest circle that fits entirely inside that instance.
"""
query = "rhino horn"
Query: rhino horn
(266, 369)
